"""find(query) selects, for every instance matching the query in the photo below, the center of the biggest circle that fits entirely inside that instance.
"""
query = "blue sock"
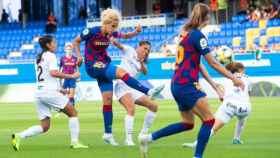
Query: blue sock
(108, 118)
(72, 101)
(203, 137)
(133, 83)
(171, 129)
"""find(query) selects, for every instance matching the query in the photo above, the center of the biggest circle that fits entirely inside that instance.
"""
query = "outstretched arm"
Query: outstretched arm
(137, 30)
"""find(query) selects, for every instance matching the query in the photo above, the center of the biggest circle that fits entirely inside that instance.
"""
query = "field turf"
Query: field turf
(261, 134)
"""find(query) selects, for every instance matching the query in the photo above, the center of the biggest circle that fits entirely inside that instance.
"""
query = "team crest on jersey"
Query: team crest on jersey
(86, 32)
(203, 43)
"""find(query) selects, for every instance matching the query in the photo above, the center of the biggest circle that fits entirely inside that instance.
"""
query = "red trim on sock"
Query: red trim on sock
(209, 122)
(125, 77)
(188, 125)
(107, 108)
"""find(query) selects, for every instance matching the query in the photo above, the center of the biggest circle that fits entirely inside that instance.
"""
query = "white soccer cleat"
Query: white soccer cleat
(143, 145)
(109, 139)
(129, 143)
(155, 92)
(190, 145)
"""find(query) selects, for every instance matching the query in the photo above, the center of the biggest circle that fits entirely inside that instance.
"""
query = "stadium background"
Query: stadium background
(19, 46)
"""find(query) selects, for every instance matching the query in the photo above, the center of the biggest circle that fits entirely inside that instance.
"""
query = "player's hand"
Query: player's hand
(238, 83)
(80, 60)
(76, 75)
(220, 91)
(138, 28)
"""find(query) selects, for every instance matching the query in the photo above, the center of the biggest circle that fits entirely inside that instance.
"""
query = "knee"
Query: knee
(45, 127)
(188, 126)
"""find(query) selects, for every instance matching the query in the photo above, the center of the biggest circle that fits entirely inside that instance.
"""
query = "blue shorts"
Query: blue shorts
(104, 75)
(186, 96)
(69, 83)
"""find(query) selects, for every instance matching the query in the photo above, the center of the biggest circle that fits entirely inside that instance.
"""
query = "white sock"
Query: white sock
(148, 120)
(239, 128)
(129, 122)
(31, 131)
(74, 127)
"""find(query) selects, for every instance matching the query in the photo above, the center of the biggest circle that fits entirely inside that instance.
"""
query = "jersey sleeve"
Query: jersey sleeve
(52, 62)
(86, 34)
(117, 34)
(200, 42)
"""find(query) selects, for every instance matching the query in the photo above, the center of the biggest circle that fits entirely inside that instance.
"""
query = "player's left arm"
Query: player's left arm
(137, 30)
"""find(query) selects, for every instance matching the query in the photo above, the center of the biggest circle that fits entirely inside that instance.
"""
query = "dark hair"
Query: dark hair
(43, 41)
(234, 67)
(198, 16)
(143, 42)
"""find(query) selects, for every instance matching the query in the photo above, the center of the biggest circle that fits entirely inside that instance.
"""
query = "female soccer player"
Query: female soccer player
(98, 64)
(48, 96)
(236, 102)
(185, 88)
(134, 62)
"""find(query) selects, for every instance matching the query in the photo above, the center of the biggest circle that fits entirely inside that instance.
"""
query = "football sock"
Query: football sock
(129, 121)
(203, 137)
(133, 83)
(148, 120)
(239, 128)
(31, 131)
(171, 129)
(108, 118)
(74, 127)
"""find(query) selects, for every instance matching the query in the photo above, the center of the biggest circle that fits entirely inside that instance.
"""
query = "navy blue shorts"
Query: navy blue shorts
(186, 96)
(69, 83)
(103, 74)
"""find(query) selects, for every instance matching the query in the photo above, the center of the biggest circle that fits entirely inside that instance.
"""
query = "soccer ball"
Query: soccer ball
(224, 55)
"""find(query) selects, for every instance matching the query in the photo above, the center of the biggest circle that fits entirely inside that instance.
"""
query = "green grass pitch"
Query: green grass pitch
(261, 135)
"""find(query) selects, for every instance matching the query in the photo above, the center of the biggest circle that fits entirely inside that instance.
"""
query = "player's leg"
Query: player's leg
(202, 109)
(71, 95)
(135, 84)
(238, 130)
(151, 113)
(128, 103)
(106, 88)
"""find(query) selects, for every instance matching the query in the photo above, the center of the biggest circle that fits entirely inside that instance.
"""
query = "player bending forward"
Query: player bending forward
(236, 103)
(47, 96)
(134, 62)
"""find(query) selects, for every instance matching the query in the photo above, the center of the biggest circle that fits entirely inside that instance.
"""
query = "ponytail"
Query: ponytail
(43, 41)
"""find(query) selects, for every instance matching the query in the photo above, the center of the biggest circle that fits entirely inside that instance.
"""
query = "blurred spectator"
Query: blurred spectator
(5, 16)
(51, 23)
(82, 13)
(20, 16)
(156, 8)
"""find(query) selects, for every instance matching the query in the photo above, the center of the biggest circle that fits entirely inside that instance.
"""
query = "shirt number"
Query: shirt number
(40, 71)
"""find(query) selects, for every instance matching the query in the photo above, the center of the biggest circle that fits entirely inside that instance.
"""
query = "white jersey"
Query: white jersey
(129, 61)
(236, 94)
(43, 77)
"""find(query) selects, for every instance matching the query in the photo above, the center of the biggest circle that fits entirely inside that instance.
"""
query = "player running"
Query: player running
(68, 65)
(48, 97)
(98, 64)
(134, 62)
(185, 87)
(236, 103)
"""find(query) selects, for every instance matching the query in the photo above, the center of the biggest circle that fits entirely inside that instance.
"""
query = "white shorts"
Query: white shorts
(228, 110)
(122, 89)
(48, 101)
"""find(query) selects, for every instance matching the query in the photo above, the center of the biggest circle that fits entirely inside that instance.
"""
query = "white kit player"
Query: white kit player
(134, 62)
(236, 102)
(48, 97)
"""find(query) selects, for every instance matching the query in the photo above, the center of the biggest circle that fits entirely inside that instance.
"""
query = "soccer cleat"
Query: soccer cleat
(143, 145)
(109, 139)
(16, 141)
(129, 143)
(237, 141)
(155, 92)
(190, 145)
(78, 145)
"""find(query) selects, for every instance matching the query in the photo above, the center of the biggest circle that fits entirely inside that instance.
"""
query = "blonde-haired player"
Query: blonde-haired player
(236, 102)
